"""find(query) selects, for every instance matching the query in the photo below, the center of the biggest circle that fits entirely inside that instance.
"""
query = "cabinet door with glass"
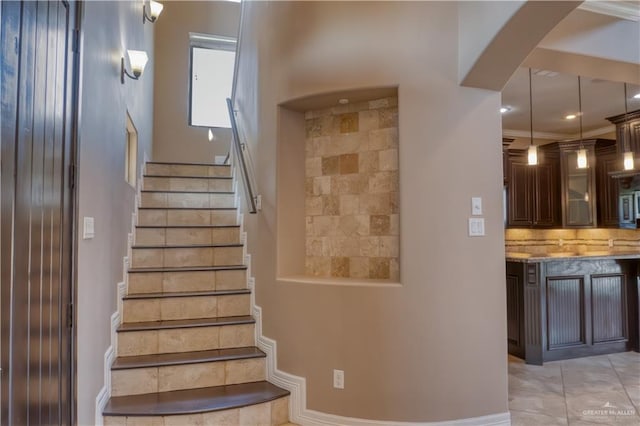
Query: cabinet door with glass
(578, 187)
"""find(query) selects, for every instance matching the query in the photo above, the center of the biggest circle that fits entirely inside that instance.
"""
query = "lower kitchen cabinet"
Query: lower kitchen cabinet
(559, 309)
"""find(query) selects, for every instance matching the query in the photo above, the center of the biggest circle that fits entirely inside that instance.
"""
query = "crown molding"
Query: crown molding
(629, 10)
(512, 133)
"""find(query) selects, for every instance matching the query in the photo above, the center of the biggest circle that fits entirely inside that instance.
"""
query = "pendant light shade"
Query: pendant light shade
(532, 153)
(582, 153)
(628, 160)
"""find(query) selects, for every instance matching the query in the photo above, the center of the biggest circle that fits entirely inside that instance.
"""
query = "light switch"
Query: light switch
(476, 206)
(88, 230)
(476, 226)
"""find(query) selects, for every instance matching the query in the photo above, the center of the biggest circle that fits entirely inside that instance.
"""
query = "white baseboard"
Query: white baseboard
(109, 357)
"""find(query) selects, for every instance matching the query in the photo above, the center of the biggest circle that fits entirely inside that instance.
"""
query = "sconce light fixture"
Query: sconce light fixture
(155, 9)
(137, 59)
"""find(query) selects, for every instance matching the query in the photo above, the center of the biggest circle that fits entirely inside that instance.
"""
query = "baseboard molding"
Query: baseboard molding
(109, 357)
(298, 411)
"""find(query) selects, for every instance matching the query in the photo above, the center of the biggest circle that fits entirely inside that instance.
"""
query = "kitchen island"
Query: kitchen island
(571, 304)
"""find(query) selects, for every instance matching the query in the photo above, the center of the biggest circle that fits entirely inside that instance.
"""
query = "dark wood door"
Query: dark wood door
(607, 187)
(36, 212)
(546, 193)
(520, 208)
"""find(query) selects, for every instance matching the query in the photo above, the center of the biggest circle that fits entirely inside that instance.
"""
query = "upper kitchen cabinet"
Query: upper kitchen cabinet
(578, 185)
(627, 132)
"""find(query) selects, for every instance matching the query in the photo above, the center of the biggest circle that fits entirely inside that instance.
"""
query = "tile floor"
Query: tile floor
(602, 390)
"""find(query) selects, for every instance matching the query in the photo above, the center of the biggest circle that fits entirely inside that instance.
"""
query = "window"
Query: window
(212, 64)
(130, 152)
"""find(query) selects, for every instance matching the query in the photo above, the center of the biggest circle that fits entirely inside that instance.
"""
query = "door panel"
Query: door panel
(36, 215)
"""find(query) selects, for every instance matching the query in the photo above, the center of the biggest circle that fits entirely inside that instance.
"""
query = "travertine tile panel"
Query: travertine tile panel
(349, 204)
(380, 224)
(189, 184)
(318, 266)
(229, 217)
(186, 236)
(186, 199)
(231, 280)
(236, 336)
(153, 199)
(175, 308)
(330, 165)
(379, 267)
(354, 225)
(321, 185)
(389, 246)
(225, 235)
(220, 201)
(383, 139)
(340, 267)
(188, 339)
(252, 415)
(343, 247)
(225, 256)
(220, 171)
(368, 120)
(388, 118)
(368, 161)
(313, 205)
(188, 217)
(145, 421)
(184, 420)
(190, 376)
(140, 310)
(137, 342)
(147, 257)
(244, 371)
(184, 256)
(376, 204)
(144, 282)
(359, 267)
(237, 305)
(150, 236)
(313, 166)
(349, 122)
(224, 185)
(348, 163)
(280, 411)
(115, 421)
(152, 217)
(330, 205)
(388, 159)
(188, 281)
(155, 183)
(222, 418)
(134, 381)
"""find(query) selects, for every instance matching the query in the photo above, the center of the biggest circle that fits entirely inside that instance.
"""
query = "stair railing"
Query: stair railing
(238, 149)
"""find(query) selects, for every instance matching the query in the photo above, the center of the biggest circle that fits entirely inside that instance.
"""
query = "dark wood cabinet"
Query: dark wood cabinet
(532, 191)
(607, 161)
(627, 132)
(556, 193)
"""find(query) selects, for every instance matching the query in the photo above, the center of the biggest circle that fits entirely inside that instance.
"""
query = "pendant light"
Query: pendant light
(582, 153)
(532, 153)
(628, 154)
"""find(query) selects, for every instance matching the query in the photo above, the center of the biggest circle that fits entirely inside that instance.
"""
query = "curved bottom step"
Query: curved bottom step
(194, 401)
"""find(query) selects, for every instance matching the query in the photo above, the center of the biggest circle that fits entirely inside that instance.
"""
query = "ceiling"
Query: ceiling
(598, 29)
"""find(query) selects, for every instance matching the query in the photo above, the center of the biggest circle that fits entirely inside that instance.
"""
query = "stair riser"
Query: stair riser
(184, 236)
(185, 339)
(187, 170)
(187, 376)
(271, 413)
(185, 257)
(187, 199)
(157, 282)
(187, 184)
(186, 217)
(176, 308)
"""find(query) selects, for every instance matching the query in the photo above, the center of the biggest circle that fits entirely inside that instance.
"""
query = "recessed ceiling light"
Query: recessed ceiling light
(343, 101)
(570, 117)
(636, 96)
(505, 109)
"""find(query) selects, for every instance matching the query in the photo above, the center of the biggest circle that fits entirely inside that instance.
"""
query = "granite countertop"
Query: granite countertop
(583, 255)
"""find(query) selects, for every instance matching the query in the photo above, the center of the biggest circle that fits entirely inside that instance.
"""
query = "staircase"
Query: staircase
(186, 351)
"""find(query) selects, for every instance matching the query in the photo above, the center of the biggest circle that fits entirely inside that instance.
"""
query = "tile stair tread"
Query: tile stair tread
(189, 176)
(186, 246)
(180, 191)
(185, 323)
(189, 268)
(139, 296)
(187, 164)
(185, 226)
(193, 401)
(180, 358)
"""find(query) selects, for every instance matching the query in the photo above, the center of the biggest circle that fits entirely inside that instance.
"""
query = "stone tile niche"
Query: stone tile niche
(351, 191)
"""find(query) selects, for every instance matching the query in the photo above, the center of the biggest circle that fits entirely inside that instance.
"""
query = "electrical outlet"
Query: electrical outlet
(88, 229)
(338, 379)
(476, 226)
(476, 206)
(610, 242)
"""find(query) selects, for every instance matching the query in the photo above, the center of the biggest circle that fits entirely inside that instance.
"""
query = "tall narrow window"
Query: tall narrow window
(212, 64)
(131, 152)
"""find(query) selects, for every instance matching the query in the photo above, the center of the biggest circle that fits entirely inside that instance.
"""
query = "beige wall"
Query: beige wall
(174, 139)
(434, 348)
(108, 29)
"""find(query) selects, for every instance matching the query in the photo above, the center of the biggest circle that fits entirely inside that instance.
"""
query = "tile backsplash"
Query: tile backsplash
(351, 191)
(541, 241)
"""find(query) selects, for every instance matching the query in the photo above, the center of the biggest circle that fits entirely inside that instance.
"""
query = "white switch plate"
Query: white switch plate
(476, 206)
(88, 230)
(338, 379)
(476, 226)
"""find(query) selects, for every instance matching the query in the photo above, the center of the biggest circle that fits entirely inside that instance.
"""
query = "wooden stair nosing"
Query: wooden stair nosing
(194, 401)
(179, 191)
(139, 296)
(188, 176)
(186, 246)
(187, 164)
(185, 226)
(189, 268)
(185, 323)
(181, 358)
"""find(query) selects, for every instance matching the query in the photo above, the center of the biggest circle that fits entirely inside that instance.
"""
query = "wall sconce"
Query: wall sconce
(155, 9)
(138, 59)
